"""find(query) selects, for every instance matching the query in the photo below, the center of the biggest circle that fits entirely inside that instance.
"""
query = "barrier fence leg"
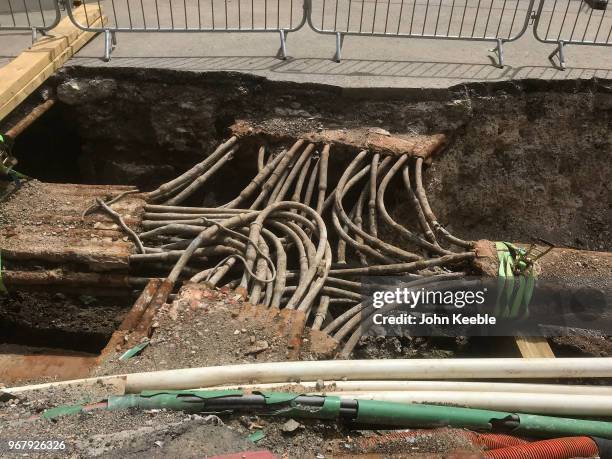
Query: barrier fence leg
(338, 55)
(499, 50)
(283, 39)
(110, 41)
(34, 35)
(559, 50)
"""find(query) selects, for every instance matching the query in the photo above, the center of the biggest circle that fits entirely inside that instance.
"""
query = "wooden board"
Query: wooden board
(43, 224)
(534, 346)
(25, 73)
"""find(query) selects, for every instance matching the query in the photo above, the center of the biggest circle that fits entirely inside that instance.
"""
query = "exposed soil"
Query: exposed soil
(58, 320)
(160, 433)
(526, 159)
(202, 333)
(25, 206)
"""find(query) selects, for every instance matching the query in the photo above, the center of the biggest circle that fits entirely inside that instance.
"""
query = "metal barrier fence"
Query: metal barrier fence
(34, 15)
(497, 21)
(561, 22)
(576, 22)
(281, 16)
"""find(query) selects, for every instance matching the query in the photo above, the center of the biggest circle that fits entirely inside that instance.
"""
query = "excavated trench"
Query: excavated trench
(524, 160)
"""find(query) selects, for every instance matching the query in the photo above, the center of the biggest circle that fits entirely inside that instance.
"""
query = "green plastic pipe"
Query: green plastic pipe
(421, 415)
(533, 424)
(406, 415)
(371, 412)
(169, 400)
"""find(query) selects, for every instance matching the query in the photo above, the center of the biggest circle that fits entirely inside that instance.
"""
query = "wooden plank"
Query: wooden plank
(534, 346)
(30, 69)
(32, 61)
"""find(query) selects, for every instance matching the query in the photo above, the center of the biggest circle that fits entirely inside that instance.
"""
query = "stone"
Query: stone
(82, 91)
(291, 426)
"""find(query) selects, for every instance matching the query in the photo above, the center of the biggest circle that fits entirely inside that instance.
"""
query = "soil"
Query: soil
(525, 159)
(59, 320)
(25, 205)
(160, 433)
(206, 331)
(129, 433)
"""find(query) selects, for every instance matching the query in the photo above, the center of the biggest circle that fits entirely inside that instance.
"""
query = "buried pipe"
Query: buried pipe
(196, 184)
(311, 183)
(433, 221)
(380, 201)
(30, 118)
(119, 220)
(357, 370)
(397, 268)
(556, 448)
(69, 279)
(280, 177)
(354, 410)
(538, 403)
(277, 173)
(493, 368)
(341, 190)
(429, 234)
(254, 184)
(332, 386)
(396, 369)
(182, 180)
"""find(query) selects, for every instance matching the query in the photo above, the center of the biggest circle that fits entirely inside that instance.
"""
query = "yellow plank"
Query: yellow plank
(30, 63)
(28, 87)
(534, 347)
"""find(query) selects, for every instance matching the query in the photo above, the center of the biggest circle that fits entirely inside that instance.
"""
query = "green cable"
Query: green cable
(13, 174)
(510, 301)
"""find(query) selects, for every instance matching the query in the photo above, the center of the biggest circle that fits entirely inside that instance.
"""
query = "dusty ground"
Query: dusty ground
(55, 319)
(32, 200)
(160, 434)
(208, 334)
(184, 337)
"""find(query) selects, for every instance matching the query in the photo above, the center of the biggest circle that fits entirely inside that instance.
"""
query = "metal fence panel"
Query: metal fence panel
(197, 15)
(281, 16)
(576, 22)
(480, 20)
(34, 15)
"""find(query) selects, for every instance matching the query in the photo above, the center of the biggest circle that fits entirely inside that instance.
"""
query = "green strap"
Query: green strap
(3, 289)
(9, 171)
(290, 408)
(514, 292)
(16, 176)
(64, 410)
(134, 351)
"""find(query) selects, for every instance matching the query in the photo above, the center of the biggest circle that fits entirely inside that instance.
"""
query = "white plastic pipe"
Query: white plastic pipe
(519, 402)
(330, 387)
(395, 369)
